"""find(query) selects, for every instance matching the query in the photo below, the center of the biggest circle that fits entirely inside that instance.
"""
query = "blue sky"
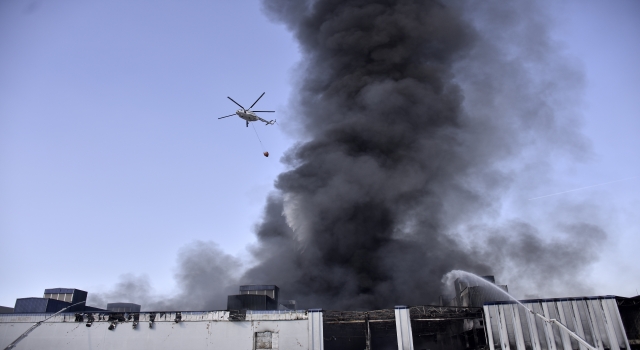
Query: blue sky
(600, 36)
(112, 156)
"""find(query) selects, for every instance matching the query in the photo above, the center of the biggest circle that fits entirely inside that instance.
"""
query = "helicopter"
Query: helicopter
(248, 115)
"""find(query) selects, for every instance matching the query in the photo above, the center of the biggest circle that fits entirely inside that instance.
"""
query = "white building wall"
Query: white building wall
(201, 330)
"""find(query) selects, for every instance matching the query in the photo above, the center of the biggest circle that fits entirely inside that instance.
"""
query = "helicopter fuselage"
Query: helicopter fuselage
(247, 115)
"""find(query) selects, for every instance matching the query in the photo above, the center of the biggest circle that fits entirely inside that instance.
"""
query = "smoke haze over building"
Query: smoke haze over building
(415, 117)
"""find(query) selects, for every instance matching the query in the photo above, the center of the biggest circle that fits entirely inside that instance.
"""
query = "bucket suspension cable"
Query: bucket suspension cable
(265, 153)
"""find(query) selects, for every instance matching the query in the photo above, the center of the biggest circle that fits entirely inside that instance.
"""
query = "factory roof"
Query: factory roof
(258, 287)
(61, 290)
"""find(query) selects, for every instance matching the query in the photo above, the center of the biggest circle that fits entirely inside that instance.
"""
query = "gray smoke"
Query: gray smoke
(419, 120)
(206, 275)
(418, 116)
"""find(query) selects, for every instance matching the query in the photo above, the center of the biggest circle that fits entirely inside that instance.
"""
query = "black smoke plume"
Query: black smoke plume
(419, 119)
(417, 114)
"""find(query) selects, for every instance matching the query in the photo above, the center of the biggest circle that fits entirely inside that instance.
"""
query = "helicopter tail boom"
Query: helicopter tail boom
(268, 122)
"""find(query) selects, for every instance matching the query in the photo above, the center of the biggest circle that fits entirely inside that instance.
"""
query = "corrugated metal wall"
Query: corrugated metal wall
(596, 320)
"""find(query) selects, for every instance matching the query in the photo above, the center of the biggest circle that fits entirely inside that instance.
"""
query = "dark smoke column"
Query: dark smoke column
(357, 222)
(403, 175)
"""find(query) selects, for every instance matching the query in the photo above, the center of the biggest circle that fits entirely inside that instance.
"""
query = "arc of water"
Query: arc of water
(551, 339)
(517, 327)
(548, 321)
(577, 320)
(533, 331)
(570, 332)
(36, 325)
(566, 342)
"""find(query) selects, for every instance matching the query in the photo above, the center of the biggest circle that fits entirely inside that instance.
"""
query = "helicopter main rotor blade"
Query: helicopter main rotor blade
(265, 111)
(227, 116)
(257, 100)
(236, 103)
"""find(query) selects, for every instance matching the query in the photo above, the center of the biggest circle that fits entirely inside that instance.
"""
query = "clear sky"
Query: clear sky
(112, 157)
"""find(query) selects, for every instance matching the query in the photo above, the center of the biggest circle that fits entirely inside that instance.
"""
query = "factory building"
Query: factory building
(470, 321)
(254, 297)
(475, 295)
(259, 297)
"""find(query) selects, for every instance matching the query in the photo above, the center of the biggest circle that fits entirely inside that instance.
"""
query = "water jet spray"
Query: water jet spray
(572, 334)
(36, 325)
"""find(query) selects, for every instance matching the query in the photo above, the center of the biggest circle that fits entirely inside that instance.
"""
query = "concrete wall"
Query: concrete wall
(198, 330)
